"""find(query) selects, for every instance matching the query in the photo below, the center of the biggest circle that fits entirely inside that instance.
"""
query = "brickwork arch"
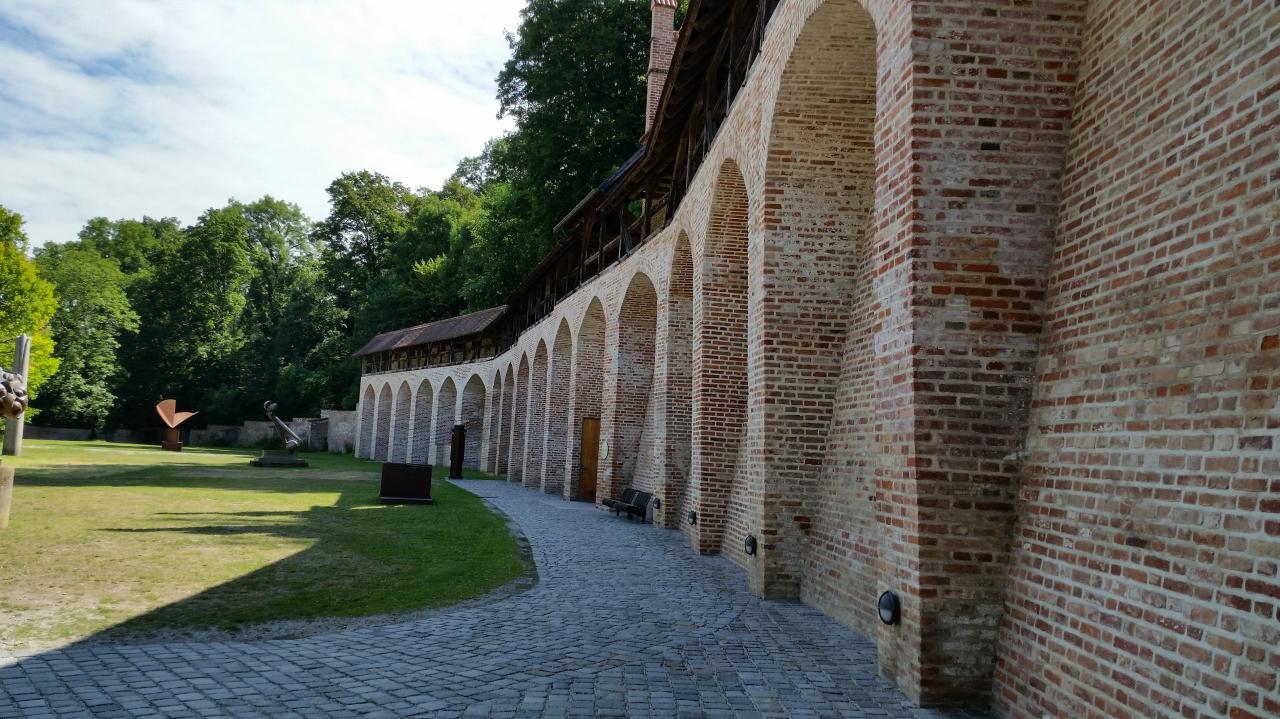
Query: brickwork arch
(508, 422)
(496, 425)
(446, 414)
(399, 451)
(820, 178)
(558, 411)
(472, 417)
(678, 380)
(423, 405)
(365, 450)
(719, 385)
(588, 386)
(516, 471)
(536, 426)
(382, 429)
(632, 376)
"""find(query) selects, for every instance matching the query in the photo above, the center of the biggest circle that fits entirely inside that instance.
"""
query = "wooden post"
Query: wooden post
(13, 427)
(6, 494)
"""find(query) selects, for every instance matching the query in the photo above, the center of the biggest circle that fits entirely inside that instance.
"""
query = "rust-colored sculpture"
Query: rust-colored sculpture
(168, 411)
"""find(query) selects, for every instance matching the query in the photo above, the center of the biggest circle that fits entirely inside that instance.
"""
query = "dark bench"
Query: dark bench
(634, 502)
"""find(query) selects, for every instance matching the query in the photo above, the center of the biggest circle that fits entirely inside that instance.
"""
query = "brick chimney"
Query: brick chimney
(662, 44)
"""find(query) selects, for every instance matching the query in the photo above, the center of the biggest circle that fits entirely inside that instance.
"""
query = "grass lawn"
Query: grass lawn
(133, 541)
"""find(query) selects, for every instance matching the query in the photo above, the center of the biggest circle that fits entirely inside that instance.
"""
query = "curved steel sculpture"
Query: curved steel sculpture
(274, 457)
(286, 435)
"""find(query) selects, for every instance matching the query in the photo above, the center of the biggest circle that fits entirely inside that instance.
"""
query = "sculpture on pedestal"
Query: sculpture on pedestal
(13, 403)
(275, 457)
(168, 411)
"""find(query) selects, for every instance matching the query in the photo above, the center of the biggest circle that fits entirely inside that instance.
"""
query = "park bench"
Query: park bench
(634, 502)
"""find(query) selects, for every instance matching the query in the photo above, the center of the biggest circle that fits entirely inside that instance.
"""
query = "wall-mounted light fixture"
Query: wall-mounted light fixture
(750, 545)
(692, 516)
(889, 608)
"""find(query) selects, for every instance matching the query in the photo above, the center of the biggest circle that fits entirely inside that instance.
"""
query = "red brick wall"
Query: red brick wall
(677, 390)
(818, 191)
(507, 422)
(558, 411)
(365, 449)
(662, 45)
(587, 381)
(515, 471)
(400, 419)
(1144, 581)
(719, 360)
(535, 431)
(382, 429)
(446, 408)
(473, 401)
(637, 325)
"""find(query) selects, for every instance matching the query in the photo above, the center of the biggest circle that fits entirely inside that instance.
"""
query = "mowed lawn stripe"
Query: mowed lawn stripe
(133, 542)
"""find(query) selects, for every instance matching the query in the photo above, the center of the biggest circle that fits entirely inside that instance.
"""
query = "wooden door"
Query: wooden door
(589, 460)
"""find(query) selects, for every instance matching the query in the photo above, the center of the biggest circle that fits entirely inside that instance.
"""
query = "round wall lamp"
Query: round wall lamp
(750, 545)
(889, 608)
(692, 516)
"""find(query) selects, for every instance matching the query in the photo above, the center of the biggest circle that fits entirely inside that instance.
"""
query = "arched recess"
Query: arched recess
(473, 396)
(819, 314)
(632, 418)
(588, 386)
(400, 421)
(422, 407)
(516, 473)
(365, 450)
(558, 410)
(382, 436)
(679, 384)
(536, 430)
(720, 306)
(496, 425)
(446, 411)
(508, 423)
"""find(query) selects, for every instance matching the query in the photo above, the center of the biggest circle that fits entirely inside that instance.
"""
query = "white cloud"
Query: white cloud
(126, 108)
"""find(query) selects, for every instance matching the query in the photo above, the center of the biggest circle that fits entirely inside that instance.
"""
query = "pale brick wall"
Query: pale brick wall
(472, 417)
(905, 265)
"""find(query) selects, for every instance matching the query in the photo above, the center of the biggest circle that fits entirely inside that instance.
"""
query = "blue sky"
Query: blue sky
(125, 108)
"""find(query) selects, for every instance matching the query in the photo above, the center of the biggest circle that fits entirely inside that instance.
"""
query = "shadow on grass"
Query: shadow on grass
(355, 557)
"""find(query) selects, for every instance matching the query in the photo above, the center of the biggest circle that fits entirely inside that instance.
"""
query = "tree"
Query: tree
(368, 212)
(26, 303)
(575, 85)
(93, 312)
(189, 333)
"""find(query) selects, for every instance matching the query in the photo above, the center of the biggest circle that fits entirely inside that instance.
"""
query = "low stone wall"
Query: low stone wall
(66, 433)
(341, 430)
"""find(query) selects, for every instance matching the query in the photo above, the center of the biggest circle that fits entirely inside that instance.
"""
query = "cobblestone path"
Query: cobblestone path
(624, 621)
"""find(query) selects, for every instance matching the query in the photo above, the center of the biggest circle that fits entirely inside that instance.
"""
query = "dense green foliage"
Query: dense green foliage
(255, 301)
(26, 304)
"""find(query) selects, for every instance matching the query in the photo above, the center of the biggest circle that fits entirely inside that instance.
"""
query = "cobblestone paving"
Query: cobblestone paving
(624, 621)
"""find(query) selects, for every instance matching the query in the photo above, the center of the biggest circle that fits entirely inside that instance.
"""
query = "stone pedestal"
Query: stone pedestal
(278, 458)
(6, 494)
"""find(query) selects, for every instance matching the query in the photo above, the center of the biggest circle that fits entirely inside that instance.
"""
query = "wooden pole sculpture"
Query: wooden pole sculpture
(13, 403)
(168, 411)
(14, 426)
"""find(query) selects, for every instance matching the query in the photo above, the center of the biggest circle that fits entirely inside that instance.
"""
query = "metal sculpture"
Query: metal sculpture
(13, 395)
(13, 403)
(274, 457)
(168, 411)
